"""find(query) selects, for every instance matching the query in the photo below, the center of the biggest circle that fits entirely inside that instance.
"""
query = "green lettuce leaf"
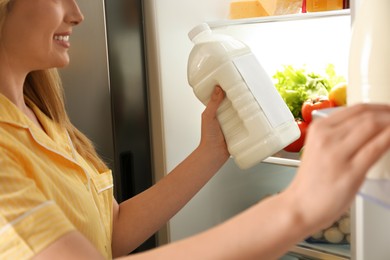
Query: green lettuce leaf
(296, 85)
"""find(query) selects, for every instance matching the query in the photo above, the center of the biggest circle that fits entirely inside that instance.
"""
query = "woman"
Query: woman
(56, 199)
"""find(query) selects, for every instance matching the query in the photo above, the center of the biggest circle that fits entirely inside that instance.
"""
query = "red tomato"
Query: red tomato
(314, 104)
(297, 145)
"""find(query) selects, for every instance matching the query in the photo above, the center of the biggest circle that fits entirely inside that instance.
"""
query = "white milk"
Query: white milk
(254, 118)
(369, 64)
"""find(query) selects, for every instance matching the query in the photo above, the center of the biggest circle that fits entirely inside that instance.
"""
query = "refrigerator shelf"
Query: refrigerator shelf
(322, 251)
(279, 18)
(284, 158)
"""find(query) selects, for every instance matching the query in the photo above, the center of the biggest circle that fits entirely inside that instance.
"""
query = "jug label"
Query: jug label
(263, 90)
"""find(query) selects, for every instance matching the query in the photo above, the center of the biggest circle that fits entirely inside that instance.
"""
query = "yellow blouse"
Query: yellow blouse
(46, 188)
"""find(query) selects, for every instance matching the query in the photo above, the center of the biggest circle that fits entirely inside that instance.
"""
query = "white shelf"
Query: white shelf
(284, 158)
(279, 18)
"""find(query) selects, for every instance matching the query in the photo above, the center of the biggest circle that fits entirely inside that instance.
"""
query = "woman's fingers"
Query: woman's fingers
(215, 100)
(349, 130)
(339, 151)
(211, 130)
(364, 130)
(372, 151)
(343, 114)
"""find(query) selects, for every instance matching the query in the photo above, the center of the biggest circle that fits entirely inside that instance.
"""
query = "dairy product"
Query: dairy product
(246, 9)
(287, 7)
(257, 8)
(324, 5)
(269, 6)
(369, 64)
(254, 118)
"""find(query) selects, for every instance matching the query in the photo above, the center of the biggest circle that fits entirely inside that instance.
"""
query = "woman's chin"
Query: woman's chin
(61, 64)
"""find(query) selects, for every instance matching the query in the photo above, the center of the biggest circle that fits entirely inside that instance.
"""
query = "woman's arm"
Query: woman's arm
(138, 218)
(264, 231)
(72, 245)
(339, 151)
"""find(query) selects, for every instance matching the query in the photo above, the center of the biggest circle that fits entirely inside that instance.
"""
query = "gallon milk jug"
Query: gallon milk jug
(369, 64)
(254, 119)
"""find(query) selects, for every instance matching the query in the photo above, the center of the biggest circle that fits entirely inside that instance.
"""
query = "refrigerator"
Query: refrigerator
(106, 92)
(312, 39)
(127, 90)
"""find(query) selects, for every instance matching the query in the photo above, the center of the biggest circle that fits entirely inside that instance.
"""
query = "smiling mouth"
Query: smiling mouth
(61, 38)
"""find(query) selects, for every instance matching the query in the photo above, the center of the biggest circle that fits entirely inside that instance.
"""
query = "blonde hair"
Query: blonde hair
(44, 88)
(4, 5)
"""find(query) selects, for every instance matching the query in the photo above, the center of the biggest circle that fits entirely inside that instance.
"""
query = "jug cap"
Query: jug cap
(203, 27)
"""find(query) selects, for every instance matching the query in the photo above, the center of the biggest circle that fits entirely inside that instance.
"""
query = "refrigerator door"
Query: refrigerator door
(371, 214)
(372, 230)
(128, 88)
(106, 93)
(130, 114)
(354, 6)
(86, 80)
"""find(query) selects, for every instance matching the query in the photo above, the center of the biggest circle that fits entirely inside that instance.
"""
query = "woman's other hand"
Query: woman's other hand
(339, 151)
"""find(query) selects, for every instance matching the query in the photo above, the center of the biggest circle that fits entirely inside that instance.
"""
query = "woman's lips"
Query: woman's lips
(62, 39)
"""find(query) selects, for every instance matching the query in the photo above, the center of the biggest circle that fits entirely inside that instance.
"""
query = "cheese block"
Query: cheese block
(256, 8)
(324, 5)
(247, 9)
(280, 7)
(288, 7)
(269, 6)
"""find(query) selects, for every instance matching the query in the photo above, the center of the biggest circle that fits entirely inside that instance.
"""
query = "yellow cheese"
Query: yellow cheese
(288, 7)
(247, 9)
(269, 6)
(256, 8)
(322, 5)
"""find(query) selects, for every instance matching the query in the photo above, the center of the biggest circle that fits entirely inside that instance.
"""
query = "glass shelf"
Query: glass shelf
(279, 18)
(322, 251)
(284, 158)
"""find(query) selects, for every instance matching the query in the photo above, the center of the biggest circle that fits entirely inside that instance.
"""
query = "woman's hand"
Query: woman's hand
(339, 151)
(212, 137)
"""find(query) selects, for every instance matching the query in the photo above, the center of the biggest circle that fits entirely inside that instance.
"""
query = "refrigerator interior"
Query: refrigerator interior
(176, 111)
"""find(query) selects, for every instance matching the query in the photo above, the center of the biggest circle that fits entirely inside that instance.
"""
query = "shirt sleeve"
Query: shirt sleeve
(29, 222)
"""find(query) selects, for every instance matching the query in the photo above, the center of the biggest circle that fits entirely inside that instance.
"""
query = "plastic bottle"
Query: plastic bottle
(369, 64)
(255, 120)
